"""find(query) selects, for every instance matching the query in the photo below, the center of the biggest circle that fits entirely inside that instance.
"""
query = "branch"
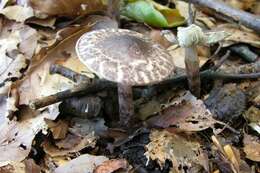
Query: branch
(99, 85)
(239, 16)
(80, 90)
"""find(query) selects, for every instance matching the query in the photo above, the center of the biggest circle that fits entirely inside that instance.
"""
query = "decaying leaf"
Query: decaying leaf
(185, 113)
(82, 142)
(67, 7)
(110, 166)
(182, 150)
(83, 163)
(27, 166)
(17, 13)
(229, 156)
(252, 148)
(39, 78)
(226, 103)
(252, 115)
(238, 35)
(59, 129)
(16, 136)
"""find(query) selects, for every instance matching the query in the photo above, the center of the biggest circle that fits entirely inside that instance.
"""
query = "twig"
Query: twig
(80, 90)
(239, 16)
(68, 73)
(244, 52)
(221, 61)
(99, 85)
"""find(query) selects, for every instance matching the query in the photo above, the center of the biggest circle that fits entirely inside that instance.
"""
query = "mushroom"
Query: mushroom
(126, 57)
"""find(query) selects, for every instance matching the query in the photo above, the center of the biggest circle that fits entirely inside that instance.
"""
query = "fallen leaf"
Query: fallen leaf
(82, 164)
(83, 142)
(226, 103)
(67, 7)
(17, 13)
(238, 35)
(16, 137)
(39, 82)
(183, 151)
(252, 115)
(184, 112)
(110, 166)
(252, 148)
(59, 129)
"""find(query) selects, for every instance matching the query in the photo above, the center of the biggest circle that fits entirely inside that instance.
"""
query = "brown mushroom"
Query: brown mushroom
(126, 57)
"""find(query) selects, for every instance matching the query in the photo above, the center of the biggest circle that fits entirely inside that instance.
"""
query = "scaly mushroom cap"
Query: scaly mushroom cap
(124, 56)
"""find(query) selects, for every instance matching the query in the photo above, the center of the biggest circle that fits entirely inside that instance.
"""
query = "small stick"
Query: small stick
(80, 90)
(244, 52)
(68, 73)
(84, 89)
(221, 61)
(239, 16)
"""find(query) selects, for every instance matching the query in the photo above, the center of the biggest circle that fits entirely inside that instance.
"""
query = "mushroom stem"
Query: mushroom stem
(114, 10)
(192, 69)
(126, 106)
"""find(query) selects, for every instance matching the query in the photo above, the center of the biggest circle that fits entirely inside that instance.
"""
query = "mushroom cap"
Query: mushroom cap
(124, 56)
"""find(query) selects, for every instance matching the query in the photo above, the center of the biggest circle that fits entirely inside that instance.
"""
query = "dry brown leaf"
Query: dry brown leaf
(186, 113)
(17, 13)
(16, 137)
(252, 115)
(182, 150)
(59, 129)
(83, 142)
(238, 35)
(110, 166)
(39, 82)
(83, 163)
(230, 156)
(252, 148)
(67, 7)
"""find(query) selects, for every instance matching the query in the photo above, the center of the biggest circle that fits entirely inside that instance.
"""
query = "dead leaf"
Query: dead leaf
(238, 35)
(31, 166)
(39, 82)
(67, 7)
(17, 13)
(184, 112)
(229, 158)
(59, 129)
(83, 142)
(182, 150)
(252, 115)
(252, 148)
(110, 166)
(16, 137)
(84, 163)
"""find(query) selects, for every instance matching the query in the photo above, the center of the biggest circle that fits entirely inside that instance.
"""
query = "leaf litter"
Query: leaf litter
(176, 132)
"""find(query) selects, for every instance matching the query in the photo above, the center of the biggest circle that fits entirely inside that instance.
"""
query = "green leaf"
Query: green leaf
(152, 13)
